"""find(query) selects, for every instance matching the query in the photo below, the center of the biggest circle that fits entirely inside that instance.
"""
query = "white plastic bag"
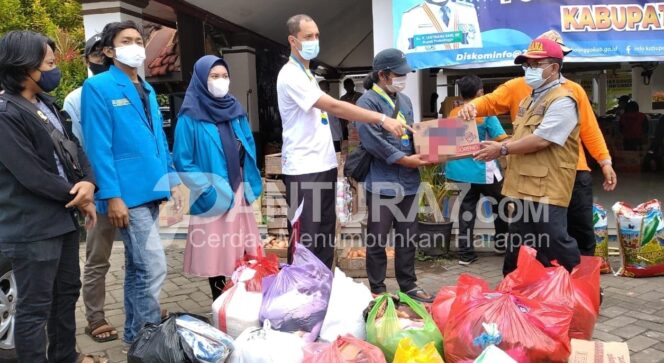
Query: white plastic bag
(493, 354)
(345, 310)
(237, 309)
(265, 345)
(208, 344)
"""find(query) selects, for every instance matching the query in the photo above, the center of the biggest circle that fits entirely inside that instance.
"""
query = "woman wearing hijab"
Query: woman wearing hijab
(215, 154)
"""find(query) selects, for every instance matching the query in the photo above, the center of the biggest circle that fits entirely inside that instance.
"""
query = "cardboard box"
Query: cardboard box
(584, 351)
(446, 139)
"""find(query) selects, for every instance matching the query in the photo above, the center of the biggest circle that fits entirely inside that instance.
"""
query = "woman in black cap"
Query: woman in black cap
(393, 177)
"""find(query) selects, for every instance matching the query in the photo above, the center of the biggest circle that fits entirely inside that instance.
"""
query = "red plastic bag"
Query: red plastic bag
(346, 349)
(554, 285)
(442, 304)
(585, 280)
(539, 328)
(264, 266)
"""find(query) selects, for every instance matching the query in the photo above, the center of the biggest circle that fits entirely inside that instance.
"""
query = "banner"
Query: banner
(447, 33)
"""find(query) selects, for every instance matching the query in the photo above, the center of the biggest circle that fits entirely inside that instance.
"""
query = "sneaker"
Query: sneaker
(466, 262)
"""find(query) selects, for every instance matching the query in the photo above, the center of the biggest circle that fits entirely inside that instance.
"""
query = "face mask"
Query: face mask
(49, 79)
(130, 55)
(534, 77)
(310, 49)
(97, 68)
(398, 84)
(219, 87)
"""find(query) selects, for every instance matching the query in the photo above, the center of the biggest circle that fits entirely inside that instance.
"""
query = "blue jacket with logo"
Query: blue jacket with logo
(130, 159)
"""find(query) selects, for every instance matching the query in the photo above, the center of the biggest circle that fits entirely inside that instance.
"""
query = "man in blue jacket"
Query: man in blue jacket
(127, 148)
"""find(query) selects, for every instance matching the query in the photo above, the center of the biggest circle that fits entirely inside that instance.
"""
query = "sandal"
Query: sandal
(420, 295)
(94, 331)
(95, 358)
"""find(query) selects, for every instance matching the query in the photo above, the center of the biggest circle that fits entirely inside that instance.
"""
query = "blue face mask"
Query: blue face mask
(310, 49)
(534, 77)
(49, 79)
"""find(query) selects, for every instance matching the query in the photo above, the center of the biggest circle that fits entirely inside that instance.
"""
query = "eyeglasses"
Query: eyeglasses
(534, 65)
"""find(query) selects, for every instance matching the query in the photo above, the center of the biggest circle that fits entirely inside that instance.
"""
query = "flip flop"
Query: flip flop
(420, 295)
(99, 328)
(95, 358)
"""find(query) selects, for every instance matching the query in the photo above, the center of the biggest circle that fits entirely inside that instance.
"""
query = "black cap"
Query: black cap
(393, 60)
(92, 43)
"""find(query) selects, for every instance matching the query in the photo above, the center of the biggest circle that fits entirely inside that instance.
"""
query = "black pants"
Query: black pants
(337, 146)
(468, 213)
(48, 283)
(546, 232)
(318, 220)
(580, 213)
(380, 221)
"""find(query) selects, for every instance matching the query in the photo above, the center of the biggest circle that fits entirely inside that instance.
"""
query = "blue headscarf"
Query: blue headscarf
(200, 104)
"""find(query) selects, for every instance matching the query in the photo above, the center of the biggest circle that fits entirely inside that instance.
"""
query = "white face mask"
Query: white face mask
(534, 77)
(398, 84)
(131, 55)
(219, 87)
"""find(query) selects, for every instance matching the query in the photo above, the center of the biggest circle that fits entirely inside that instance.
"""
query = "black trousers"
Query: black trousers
(468, 213)
(546, 232)
(580, 213)
(379, 224)
(318, 220)
(48, 283)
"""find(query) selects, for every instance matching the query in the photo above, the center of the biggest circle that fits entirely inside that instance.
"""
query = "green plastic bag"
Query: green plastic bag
(387, 333)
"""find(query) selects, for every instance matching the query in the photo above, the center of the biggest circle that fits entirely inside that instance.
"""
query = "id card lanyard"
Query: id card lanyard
(405, 139)
(323, 115)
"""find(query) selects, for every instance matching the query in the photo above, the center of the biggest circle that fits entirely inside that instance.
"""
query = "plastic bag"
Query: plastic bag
(408, 352)
(554, 285)
(265, 345)
(238, 309)
(160, 343)
(344, 314)
(296, 299)
(442, 304)
(493, 354)
(208, 344)
(641, 236)
(263, 267)
(601, 227)
(539, 328)
(387, 331)
(344, 201)
(345, 349)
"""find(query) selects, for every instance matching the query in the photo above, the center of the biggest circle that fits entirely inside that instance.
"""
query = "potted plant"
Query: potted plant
(435, 227)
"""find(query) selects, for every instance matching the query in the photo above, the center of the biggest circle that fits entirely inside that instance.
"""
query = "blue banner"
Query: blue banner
(444, 33)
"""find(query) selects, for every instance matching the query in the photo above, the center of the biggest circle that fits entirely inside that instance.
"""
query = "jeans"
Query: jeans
(98, 248)
(48, 283)
(379, 224)
(145, 269)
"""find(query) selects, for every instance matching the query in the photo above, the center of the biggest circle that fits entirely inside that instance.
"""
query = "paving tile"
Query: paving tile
(606, 337)
(649, 355)
(640, 343)
(620, 321)
(629, 331)
(613, 312)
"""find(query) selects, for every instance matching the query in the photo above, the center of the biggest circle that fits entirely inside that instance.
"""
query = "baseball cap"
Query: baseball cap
(540, 48)
(391, 59)
(92, 43)
(555, 36)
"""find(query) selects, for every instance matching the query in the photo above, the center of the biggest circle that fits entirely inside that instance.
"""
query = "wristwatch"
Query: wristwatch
(382, 121)
(503, 150)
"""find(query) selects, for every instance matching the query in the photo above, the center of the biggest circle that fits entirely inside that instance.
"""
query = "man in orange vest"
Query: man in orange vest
(507, 97)
(542, 158)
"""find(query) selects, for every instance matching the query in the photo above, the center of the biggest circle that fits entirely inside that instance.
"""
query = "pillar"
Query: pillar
(242, 64)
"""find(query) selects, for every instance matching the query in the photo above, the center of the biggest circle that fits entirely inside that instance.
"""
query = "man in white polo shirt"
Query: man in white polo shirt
(309, 163)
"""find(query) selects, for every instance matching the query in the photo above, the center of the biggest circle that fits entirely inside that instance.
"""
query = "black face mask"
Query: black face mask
(97, 68)
(49, 80)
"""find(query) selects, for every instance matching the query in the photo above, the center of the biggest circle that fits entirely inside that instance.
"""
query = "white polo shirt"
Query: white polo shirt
(308, 146)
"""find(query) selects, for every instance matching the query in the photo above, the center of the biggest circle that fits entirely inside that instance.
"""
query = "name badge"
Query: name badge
(539, 111)
(522, 111)
(120, 102)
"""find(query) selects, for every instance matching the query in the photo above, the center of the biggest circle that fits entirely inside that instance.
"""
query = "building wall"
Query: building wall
(643, 93)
